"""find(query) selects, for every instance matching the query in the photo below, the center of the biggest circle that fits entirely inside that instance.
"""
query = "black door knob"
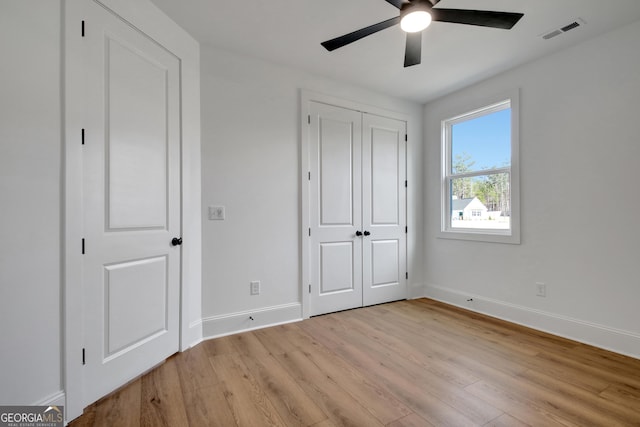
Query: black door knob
(358, 233)
(176, 241)
(366, 233)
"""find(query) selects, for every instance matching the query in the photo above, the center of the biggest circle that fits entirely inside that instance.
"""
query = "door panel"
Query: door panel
(385, 149)
(384, 209)
(385, 261)
(336, 172)
(336, 267)
(131, 200)
(137, 110)
(335, 216)
(132, 287)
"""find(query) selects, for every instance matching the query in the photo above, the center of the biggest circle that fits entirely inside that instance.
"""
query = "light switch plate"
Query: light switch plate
(254, 287)
(216, 213)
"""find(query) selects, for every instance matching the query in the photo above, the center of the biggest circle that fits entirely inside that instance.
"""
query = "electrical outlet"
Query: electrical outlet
(541, 289)
(255, 287)
(216, 213)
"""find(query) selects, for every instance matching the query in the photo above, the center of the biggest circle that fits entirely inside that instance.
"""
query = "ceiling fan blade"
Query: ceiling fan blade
(396, 3)
(413, 49)
(483, 18)
(334, 44)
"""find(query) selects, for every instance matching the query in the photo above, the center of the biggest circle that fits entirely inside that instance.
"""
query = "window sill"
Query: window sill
(482, 235)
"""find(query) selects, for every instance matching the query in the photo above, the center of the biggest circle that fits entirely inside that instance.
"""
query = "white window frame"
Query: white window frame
(512, 235)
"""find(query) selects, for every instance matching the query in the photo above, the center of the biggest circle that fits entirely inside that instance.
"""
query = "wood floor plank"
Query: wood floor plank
(218, 346)
(283, 339)
(518, 406)
(418, 351)
(295, 407)
(411, 420)
(325, 423)
(249, 344)
(570, 360)
(623, 394)
(247, 401)
(194, 370)
(589, 405)
(506, 420)
(208, 407)
(406, 386)
(121, 408)
(408, 363)
(162, 401)
(569, 408)
(361, 385)
(396, 360)
(339, 406)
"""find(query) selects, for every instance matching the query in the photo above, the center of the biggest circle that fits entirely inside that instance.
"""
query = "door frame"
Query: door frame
(147, 18)
(306, 97)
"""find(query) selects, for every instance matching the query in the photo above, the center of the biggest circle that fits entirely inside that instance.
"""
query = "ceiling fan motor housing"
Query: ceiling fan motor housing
(415, 6)
(415, 16)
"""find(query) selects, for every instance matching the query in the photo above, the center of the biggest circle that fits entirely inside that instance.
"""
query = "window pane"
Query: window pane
(481, 202)
(481, 143)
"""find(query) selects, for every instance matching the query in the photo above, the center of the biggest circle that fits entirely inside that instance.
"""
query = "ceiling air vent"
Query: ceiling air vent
(568, 27)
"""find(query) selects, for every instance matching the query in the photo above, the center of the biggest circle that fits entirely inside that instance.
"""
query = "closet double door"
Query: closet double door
(357, 212)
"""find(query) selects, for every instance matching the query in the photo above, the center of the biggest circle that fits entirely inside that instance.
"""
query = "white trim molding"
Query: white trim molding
(243, 321)
(616, 340)
(56, 399)
(471, 110)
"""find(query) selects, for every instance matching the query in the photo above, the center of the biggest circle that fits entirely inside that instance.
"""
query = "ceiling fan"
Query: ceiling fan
(416, 15)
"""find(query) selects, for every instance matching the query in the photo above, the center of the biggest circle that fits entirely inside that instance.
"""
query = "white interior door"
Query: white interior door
(336, 213)
(131, 196)
(357, 211)
(384, 204)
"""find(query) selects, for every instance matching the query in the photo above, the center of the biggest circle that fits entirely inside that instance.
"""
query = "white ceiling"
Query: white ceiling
(289, 32)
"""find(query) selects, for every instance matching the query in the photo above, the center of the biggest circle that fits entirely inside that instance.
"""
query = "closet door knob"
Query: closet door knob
(366, 233)
(358, 233)
(176, 241)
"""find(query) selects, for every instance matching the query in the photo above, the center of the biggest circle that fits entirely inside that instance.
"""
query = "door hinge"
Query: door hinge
(406, 138)
(406, 183)
(83, 246)
(309, 287)
(309, 231)
(82, 28)
(406, 229)
(406, 275)
(84, 362)
(309, 119)
(82, 136)
(309, 175)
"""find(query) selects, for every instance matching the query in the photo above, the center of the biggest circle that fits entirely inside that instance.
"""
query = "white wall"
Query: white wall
(579, 189)
(30, 201)
(251, 164)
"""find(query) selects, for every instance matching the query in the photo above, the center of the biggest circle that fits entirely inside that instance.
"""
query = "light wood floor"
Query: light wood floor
(408, 363)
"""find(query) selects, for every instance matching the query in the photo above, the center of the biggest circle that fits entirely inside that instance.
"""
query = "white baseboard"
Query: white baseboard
(192, 336)
(227, 324)
(616, 340)
(56, 399)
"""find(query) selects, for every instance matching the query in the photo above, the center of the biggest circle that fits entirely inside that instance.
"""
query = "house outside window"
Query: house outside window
(480, 176)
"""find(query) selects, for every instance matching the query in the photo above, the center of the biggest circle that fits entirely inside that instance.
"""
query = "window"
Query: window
(480, 197)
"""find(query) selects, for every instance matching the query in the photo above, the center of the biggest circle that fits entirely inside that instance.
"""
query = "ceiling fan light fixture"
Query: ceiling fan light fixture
(415, 21)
